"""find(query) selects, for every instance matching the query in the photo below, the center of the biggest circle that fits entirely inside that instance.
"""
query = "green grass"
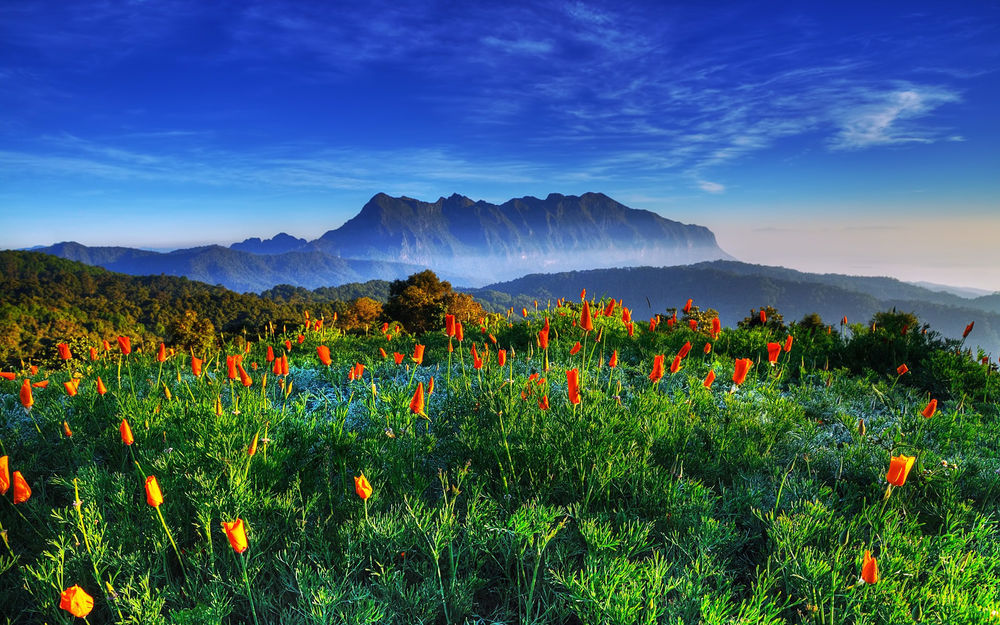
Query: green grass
(645, 503)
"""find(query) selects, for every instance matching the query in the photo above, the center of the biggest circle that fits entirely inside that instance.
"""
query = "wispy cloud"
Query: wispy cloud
(889, 117)
(711, 187)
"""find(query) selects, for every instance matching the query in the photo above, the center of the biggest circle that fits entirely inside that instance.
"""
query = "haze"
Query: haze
(843, 138)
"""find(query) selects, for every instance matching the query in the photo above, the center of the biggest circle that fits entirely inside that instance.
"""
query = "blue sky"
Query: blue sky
(852, 137)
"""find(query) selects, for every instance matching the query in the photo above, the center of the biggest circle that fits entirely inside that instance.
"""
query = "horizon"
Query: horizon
(851, 139)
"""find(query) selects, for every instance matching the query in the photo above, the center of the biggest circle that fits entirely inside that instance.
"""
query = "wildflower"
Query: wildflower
(237, 534)
(22, 492)
(154, 496)
(196, 364)
(929, 409)
(763, 316)
(687, 307)
(68, 432)
(301, 338)
(899, 468)
(652, 324)
(324, 354)
(657, 373)
(284, 364)
(502, 357)
(449, 325)
(430, 387)
(4, 475)
(741, 369)
(396, 356)
(288, 345)
(609, 309)
(76, 601)
(244, 379)
(708, 348)
(270, 354)
(126, 432)
(543, 403)
(230, 367)
(843, 321)
(586, 322)
(543, 339)
(583, 294)
(101, 389)
(42, 384)
(693, 324)
(459, 331)
(902, 369)
(362, 487)
(626, 315)
(614, 359)
(573, 385)
(788, 343)
(64, 351)
(70, 387)
(253, 446)
(26, 399)
(417, 403)
(968, 329)
(93, 354)
(161, 355)
(8, 375)
(477, 360)
(716, 327)
(418, 354)
(685, 350)
(125, 345)
(675, 366)
(709, 379)
(773, 350)
(869, 568)
(575, 349)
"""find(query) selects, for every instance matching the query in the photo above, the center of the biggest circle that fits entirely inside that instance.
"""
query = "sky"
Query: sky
(845, 137)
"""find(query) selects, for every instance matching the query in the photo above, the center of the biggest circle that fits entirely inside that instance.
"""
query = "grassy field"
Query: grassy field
(513, 497)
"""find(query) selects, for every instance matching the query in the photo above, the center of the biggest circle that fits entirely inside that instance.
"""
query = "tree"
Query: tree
(421, 301)
(361, 314)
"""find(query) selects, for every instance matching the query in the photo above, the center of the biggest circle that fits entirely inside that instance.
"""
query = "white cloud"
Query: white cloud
(885, 118)
(711, 187)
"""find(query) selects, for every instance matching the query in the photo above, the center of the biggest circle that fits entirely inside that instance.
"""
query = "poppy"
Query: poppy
(869, 568)
(105, 345)
(126, 432)
(586, 322)
(709, 380)
(675, 366)
(68, 432)
(502, 357)
(614, 359)
(324, 354)
(4, 475)
(740, 370)
(843, 321)
(543, 403)
(8, 375)
(609, 309)
(968, 329)
(64, 351)
(76, 601)
(196, 366)
(42, 384)
(359, 370)
(773, 350)
(524, 312)
(788, 343)
(449, 325)
(22, 492)
(477, 360)
(899, 468)
(708, 348)
(125, 345)
(575, 349)
(93, 353)
(657, 373)
(543, 339)
(253, 445)
(362, 487)
(398, 358)
(301, 339)
(693, 324)
(631, 329)
(763, 316)
(716, 327)
(270, 354)
(417, 403)
(161, 355)
(230, 367)
(418, 354)
(70, 388)
(284, 364)
(902, 369)
(626, 315)
(583, 294)
(652, 325)
(687, 307)
(573, 385)
(459, 331)
(101, 389)
(154, 496)
(929, 409)
(237, 534)
(288, 345)
(26, 399)
(685, 350)
(430, 386)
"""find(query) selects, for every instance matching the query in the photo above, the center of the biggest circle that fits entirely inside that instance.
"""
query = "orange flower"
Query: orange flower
(788, 343)
(430, 387)
(626, 315)
(930, 409)
(93, 353)
(543, 339)
(154, 496)
(8, 375)
(843, 321)
(502, 357)
(763, 316)
(477, 361)
(288, 345)
(4, 475)
(237, 534)
(196, 364)
(231, 367)
(543, 403)
(449, 325)
(899, 468)
(573, 385)
(125, 345)
(270, 354)
(105, 345)
(687, 307)
(741, 369)
(253, 446)
(397, 357)
(76, 601)
(524, 312)
(708, 348)
(418, 354)
(22, 492)
(869, 568)
(42, 384)
(685, 350)
(68, 432)
(657, 373)
(773, 350)
(101, 389)
(693, 324)
(161, 354)
(284, 364)
(459, 331)
(575, 349)
(610, 308)
(586, 322)
(26, 399)
(652, 324)
(324, 354)
(126, 432)
(244, 377)
(70, 387)
(709, 380)
(417, 403)
(716, 327)
(968, 329)
(362, 487)
(902, 369)
(301, 338)
(583, 294)
(675, 366)
(614, 359)
(64, 351)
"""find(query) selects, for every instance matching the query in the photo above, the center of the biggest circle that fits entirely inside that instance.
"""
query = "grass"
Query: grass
(646, 502)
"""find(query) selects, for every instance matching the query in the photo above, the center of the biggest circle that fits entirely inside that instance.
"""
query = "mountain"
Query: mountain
(961, 291)
(278, 244)
(236, 270)
(494, 242)
(734, 288)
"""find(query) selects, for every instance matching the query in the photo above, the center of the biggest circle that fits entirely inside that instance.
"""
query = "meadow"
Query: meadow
(559, 464)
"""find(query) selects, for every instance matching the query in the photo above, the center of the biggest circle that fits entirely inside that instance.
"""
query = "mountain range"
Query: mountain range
(467, 242)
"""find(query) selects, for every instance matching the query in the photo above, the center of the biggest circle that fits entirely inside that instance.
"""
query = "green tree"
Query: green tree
(421, 301)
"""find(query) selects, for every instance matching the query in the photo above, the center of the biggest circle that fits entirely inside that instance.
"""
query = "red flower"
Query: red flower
(968, 329)
(101, 389)
(899, 468)
(125, 345)
(543, 339)
(708, 348)
(430, 387)
(869, 568)
(902, 369)
(64, 351)
(716, 327)
(930, 409)
(763, 316)
(687, 307)
(583, 294)
(93, 353)
(126, 433)
(270, 354)
(573, 385)
(609, 309)
(236, 534)
(586, 322)
(154, 496)
(502, 357)
(418, 354)
(26, 399)
(709, 379)
(161, 355)
(773, 350)
(675, 366)
(575, 349)
(685, 350)
(324, 354)
(244, 377)
(626, 315)
(614, 359)
(652, 324)
(417, 403)
(396, 356)
(76, 601)
(362, 487)
(788, 343)
(4, 475)
(196, 366)
(68, 432)
(231, 367)
(657, 373)
(693, 324)
(22, 492)
(543, 403)
(449, 325)
(288, 345)
(741, 369)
